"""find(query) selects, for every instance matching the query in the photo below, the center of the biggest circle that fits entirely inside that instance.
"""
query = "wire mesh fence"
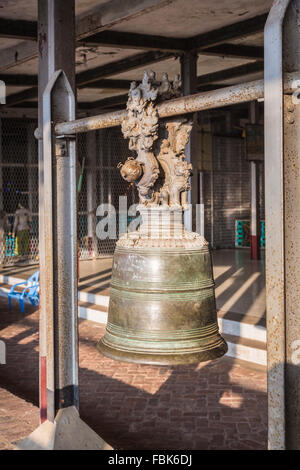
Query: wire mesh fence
(19, 194)
(99, 182)
(99, 154)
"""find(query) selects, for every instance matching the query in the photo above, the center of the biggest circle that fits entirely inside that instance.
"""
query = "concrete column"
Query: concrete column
(189, 86)
(254, 179)
(91, 192)
(282, 176)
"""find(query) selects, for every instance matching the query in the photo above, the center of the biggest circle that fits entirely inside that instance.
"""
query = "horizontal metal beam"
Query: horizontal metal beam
(234, 94)
(233, 72)
(21, 96)
(136, 41)
(119, 100)
(90, 78)
(109, 102)
(187, 104)
(236, 30)
(100, 18)
(88, 32)
(109, 84)
(32, 80)
(19, 80)
(105, 102)
(113, 12)
(235, 51)
(123, 65)
(18, 29)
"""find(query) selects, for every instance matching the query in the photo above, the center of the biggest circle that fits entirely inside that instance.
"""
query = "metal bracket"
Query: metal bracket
(62, 145)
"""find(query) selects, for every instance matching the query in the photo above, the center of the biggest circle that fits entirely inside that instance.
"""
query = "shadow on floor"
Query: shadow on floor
(141, 407)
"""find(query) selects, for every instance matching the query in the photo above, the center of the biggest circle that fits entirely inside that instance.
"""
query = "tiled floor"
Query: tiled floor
(216, 405)
(240, 282)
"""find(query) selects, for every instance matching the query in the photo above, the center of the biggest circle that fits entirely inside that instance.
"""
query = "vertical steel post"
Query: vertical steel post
(282, 174)
(61, 428)
(254, 179)
(60, 231)
(291, 169)
(91, 192)
(189, 86)
(56, 26)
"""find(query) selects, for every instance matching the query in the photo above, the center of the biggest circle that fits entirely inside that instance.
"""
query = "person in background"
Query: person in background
(4, 227)
(21, 230)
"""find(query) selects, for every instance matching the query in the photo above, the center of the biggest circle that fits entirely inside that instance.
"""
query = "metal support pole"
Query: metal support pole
(63, 429)
(189, 86)
(254, 179)
(30, 161)
(227, 96)
(282, 174)
(52, 14)
(91, 192)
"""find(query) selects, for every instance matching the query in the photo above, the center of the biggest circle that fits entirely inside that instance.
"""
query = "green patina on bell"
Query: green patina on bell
(162, 306)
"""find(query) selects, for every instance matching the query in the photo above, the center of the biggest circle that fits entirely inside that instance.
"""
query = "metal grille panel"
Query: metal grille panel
(19, 183)
(98, 155)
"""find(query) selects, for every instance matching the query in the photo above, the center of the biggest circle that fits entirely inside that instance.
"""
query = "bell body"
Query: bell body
(162, 305)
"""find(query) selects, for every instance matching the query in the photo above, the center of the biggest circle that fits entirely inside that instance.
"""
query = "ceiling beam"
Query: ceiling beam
(89, 79)
(110, 84)
(235, 51)
(230, 73)
(92, 24)
(200, 42)
(105, 102)
(92, 75)
(234, 31)
(19, 80)
(23, 80)
(18, 54)
(100, 18)
(20, 97)
(18, 29)
(136, 41)
(119, 66)
(115, 12)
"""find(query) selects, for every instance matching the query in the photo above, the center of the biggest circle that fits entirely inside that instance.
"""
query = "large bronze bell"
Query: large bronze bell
(162, 305)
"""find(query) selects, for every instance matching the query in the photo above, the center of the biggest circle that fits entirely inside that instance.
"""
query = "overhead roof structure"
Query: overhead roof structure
(118, 40)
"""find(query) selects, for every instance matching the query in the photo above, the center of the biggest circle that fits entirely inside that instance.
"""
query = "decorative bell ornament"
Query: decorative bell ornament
(162, 306)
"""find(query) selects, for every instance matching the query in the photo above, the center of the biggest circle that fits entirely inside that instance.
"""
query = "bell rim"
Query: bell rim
(163, 359)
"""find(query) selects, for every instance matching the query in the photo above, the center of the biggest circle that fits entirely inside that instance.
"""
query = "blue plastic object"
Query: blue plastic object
(30, 292)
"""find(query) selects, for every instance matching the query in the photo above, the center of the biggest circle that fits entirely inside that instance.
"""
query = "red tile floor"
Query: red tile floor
(214, 405)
